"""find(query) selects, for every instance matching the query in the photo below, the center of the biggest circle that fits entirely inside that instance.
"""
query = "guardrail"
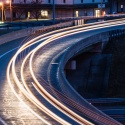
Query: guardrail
(30, 31)
(42, 29)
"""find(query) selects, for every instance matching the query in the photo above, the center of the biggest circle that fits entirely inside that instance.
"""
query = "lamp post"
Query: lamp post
(53, 11)
(1, 4)
(10, 4)
(101, 7)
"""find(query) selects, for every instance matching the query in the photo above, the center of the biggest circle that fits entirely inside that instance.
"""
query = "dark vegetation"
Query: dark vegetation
(116, 47)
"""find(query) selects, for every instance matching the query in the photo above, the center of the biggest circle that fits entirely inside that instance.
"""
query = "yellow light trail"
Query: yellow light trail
(51, 99)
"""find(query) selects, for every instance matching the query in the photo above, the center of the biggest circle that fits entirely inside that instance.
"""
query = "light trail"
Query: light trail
(33, 75)
(2, 121)
(32, 70)
(8, 52)
(26, 91)
(38, 102)
(32, 98)
(26, 85)
(13, 90)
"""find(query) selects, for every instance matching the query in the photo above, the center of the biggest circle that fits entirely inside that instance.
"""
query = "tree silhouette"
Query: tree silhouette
(36, 9)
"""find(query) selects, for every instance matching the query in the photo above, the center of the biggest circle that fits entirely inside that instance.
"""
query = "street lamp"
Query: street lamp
(53, 11)
(10, 4)
(101, 7)
(1, 4)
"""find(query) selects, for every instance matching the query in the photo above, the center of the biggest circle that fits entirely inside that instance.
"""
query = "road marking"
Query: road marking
(8, 52)
(2, 121)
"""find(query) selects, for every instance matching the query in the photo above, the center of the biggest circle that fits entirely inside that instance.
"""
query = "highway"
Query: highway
(33, 93)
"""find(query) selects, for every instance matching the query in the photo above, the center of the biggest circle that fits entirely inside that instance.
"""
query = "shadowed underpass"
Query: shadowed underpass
(117, 71)
(101, 75)
(106, 68)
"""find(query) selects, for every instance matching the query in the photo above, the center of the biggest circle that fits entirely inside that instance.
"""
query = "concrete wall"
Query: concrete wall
(72, 52)
(28, 31)
(91, 76)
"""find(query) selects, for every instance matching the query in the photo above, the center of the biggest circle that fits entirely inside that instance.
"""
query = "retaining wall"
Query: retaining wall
(65, 85)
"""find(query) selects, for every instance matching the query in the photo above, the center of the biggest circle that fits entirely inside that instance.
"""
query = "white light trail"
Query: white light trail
(27, 92)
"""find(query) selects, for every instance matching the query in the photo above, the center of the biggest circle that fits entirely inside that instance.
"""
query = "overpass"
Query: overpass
(37, 71)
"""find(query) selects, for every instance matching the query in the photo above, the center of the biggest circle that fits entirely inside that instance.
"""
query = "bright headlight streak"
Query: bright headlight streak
(31, 97)
(11, 86)
(72, 32)
(26, 85)
(43, 35)
(13, 64)
(51, 99)
(72, 114)
(38, 102)
(81, 27)
(60, 35)
(36, 81)
(16, 80)
(9, 81)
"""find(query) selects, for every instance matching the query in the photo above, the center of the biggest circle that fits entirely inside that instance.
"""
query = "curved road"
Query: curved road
(13, 111)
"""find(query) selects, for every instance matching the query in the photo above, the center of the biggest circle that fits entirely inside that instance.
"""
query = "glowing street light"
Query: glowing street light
(1, 4)
(10, 4)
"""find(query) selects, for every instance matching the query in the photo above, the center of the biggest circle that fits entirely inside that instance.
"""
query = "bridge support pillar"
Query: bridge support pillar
(88, 72)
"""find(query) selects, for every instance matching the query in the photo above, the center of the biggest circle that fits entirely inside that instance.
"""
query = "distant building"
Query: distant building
(90, 7)
(117, 6)
(43, 9)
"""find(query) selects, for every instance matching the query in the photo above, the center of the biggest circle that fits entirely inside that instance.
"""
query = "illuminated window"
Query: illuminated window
(97, 13)
(28, 14)
(44, 13)
(77, 13)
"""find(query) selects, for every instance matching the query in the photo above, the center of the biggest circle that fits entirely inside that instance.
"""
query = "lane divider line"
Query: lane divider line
(8, 52)
(2, 121)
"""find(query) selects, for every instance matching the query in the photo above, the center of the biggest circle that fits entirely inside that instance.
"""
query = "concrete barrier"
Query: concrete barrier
(26, 32)
(16, 35)
(65, 85)
(72, 51)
